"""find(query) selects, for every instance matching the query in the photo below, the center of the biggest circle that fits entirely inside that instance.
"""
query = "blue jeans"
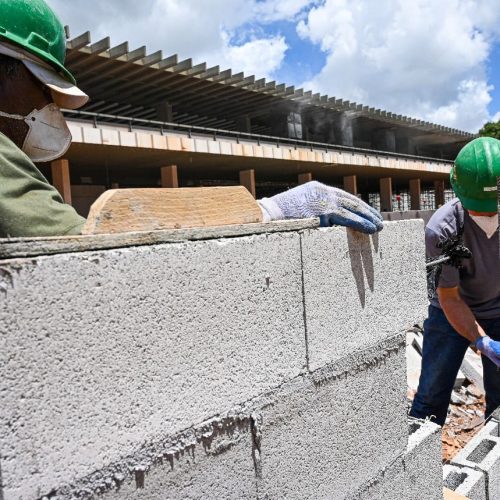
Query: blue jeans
(442, 355)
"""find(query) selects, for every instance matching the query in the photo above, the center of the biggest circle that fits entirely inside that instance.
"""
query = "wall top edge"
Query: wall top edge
(14, 248)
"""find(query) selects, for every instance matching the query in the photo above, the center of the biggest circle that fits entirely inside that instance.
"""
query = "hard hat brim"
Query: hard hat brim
(64, 93)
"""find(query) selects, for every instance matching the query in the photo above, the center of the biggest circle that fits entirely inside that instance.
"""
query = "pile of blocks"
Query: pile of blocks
(475, 471)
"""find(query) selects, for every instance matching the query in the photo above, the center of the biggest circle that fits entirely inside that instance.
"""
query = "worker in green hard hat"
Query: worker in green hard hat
(34, 85)
(465, 309)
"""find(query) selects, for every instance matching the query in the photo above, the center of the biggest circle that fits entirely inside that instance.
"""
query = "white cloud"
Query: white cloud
(420, 58)
(260, 57)
(219, 32)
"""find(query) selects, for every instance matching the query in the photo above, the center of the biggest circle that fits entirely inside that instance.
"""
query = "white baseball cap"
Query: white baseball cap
(65, 94)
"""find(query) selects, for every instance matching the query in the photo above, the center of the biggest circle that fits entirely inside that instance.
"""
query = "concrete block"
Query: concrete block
(104, 351)
(415, 475)
(423, 466)
(472, 368)
(483, 453)
(382, 277)
(327, 435)
(465, 481)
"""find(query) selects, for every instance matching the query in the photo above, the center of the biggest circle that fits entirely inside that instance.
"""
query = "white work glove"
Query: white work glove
(332, 205)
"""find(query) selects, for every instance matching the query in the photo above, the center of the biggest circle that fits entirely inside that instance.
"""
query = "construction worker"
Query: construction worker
(466, 307)
(35, 84)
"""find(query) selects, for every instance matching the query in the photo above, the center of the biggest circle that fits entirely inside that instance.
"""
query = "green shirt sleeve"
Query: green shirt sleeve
(29, 205)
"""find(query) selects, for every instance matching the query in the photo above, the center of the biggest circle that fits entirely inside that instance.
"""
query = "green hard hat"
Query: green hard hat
(33, 25)
(474, 174)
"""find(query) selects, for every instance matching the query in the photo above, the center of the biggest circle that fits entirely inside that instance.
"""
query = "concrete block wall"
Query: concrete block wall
(222, 368)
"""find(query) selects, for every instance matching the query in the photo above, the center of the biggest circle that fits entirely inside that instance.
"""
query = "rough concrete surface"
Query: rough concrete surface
(323, 437)
(465, 481)
(181, 369)
(383, 276)
(105, 351)
(423, 466)
(414, 475)
(483, 453)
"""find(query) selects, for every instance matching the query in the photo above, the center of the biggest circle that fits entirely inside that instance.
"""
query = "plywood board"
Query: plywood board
(129, 210)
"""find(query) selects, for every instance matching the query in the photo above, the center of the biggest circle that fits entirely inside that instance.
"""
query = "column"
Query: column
(244, 124)
(169, 178)
(164, 112)
(415, 194)
(386, 194)
(303, 178)
(61, 180)
(384, 139)
(351, 184)
(439, 193)
(247, 179)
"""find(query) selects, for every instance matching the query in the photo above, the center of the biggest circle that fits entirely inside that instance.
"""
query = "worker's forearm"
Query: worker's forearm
(461, 318)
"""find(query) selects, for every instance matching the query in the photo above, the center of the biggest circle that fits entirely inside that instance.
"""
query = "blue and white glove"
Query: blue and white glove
(333, 206)
(489, 348)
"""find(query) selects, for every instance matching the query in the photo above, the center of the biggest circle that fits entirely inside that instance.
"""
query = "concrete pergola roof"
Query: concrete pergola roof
(134, 83)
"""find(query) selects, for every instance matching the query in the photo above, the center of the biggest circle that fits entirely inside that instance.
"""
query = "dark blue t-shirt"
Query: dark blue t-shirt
(479, 280)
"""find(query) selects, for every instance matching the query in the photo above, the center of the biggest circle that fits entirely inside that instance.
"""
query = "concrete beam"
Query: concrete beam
(61, 179)
(386, 194)
(247, 179)
(415, 194)
(351, 184)
(169, 177)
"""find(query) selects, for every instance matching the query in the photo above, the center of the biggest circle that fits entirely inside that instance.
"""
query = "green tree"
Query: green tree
(491, 129)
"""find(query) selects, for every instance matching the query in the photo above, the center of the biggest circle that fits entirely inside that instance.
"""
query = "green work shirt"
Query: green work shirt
(29, 205)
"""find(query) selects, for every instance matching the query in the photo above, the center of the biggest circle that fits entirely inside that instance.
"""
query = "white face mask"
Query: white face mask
(488, 224)
(48, 137)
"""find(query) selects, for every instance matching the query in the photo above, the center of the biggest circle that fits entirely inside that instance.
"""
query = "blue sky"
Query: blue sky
(391, 54)
(494, 78)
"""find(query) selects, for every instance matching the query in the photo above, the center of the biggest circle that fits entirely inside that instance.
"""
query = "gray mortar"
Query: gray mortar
(382, 275)
(192, 330)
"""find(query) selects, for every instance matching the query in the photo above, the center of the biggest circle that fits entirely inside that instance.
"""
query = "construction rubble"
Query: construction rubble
(470, 446)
